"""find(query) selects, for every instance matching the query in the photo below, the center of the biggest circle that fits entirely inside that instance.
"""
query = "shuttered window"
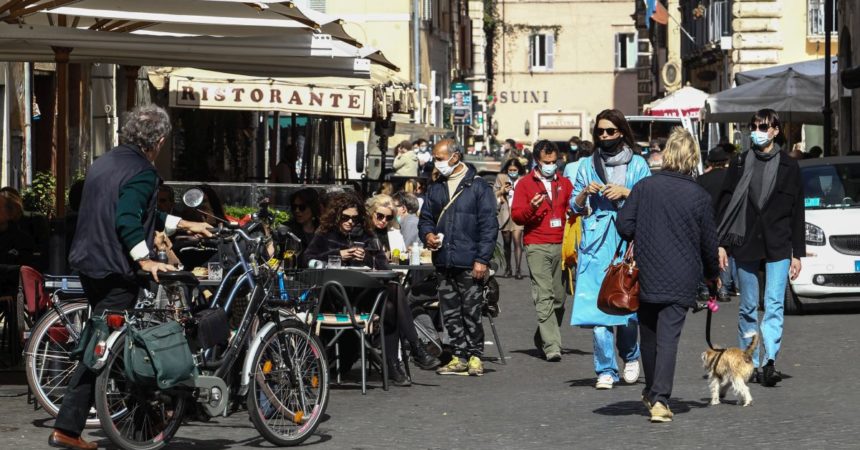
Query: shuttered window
(541, 52)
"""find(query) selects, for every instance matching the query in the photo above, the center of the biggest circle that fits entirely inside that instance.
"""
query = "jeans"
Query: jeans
(776, 277)
(605, 344)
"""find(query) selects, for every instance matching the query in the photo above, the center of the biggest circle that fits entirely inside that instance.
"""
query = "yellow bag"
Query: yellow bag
(570, 244)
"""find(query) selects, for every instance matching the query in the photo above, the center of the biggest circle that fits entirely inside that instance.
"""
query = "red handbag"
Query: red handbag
(619, 292)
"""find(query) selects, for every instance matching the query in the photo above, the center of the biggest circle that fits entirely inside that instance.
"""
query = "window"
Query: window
(541, 52)
(625, 51)
(316, 5)
(815, 17)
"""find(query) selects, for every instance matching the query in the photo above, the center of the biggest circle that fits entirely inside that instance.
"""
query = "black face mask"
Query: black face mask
(610, 147)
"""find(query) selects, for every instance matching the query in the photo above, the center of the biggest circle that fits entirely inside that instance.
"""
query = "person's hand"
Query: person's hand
(724, 259)
(794, 269)
(537, 199)
(433, 241)
(351, 253)
(154, 267)
(358, 253)
(162, 242)
(479, 270)
(615, 192)
(593, 188)
(200, 229)
(508, 187)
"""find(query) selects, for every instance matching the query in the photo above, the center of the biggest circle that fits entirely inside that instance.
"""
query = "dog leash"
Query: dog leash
(712, 306)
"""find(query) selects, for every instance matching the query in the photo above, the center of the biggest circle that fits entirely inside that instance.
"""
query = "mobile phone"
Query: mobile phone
(358, 245)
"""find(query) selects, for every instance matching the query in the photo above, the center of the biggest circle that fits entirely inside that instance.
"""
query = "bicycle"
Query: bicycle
(283, 378)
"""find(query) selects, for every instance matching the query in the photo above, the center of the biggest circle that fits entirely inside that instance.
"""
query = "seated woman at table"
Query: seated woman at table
(382, 214)
(342, 225)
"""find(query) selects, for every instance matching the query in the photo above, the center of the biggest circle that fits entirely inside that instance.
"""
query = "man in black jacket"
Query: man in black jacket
(762, 222)
(458, 221)
(712, 180)
(115, 231)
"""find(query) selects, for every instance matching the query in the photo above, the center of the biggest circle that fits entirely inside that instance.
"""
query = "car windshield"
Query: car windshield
(831, 186)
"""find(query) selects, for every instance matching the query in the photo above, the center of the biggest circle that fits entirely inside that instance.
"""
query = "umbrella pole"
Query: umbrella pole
(61, 57)
(828, 113)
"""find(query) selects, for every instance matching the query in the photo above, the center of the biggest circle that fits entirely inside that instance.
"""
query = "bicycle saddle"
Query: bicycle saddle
(179, 276)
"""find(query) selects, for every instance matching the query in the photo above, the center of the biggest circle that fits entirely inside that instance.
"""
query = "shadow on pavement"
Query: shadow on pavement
(636, 408)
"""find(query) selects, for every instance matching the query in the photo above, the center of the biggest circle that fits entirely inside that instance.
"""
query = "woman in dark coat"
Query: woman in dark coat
(671, 219)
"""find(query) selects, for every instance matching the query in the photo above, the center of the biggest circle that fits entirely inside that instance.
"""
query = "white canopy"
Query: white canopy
(685, 102)
(286, 54)
(795, 97)
(811, 68)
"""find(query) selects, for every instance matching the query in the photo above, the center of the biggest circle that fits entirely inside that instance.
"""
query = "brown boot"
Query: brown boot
(59, 439)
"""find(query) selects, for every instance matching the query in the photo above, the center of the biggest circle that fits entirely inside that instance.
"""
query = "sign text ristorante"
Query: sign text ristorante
(263, 96)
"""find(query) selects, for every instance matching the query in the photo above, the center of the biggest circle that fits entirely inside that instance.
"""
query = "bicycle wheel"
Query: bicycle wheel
(135, 417)
(289, 385)
(47, 362)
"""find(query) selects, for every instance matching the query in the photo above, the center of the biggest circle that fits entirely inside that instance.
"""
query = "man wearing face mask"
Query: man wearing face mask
(458, 222)
(762, 220)
(541, 201)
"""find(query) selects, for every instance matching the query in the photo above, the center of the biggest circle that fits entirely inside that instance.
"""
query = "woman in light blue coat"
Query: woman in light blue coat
(603, 181)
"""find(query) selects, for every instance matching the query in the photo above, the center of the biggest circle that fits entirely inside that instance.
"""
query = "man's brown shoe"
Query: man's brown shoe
(62, 440)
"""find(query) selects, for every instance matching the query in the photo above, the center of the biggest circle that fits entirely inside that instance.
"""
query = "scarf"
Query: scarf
(618, 163)
(733, 227)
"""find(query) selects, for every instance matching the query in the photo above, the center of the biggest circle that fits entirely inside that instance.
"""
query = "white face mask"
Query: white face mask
(444, 167)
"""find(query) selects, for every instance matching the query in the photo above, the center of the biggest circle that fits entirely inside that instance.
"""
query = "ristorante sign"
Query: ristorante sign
(265, 96)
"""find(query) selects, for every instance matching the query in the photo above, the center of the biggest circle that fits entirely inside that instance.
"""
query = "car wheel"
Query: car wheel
(792, 304)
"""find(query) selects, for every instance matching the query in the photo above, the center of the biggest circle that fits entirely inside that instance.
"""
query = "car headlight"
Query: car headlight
(814, 235)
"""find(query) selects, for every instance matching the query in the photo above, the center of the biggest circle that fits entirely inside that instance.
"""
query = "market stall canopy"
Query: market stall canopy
(185, 18)
(325, 96)
(811, 68)
(685, 102)
(285, 54)
(796, 98)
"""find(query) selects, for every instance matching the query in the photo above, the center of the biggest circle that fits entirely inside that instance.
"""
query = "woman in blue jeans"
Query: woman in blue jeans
(762, 224)
(603, 181)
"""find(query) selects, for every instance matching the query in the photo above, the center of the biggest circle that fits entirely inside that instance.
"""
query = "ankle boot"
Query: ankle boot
(423, 359)
(519, 275)
(397, 374)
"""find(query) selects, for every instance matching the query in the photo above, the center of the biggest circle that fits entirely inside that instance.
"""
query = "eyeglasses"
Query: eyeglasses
(349, 217)
(299, 208)
(380, 216)
(608, 131)
(763, 127)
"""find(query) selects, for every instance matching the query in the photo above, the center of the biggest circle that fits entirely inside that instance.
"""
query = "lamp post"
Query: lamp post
(828, 113)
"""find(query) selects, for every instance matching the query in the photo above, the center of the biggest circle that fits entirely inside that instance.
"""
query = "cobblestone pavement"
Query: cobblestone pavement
(530, 403)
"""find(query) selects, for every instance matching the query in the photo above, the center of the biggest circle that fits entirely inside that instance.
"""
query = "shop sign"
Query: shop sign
(264, 96)
(559, 121)
(461, 104)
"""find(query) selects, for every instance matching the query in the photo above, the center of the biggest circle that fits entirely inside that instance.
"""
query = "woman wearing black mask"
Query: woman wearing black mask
(512, 234)
(603, 182)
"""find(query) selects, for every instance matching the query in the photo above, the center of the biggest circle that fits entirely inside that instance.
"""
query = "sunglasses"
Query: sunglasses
(299, 207)
(349, 217)
(380, 216)
(763, 127)
(608, 131)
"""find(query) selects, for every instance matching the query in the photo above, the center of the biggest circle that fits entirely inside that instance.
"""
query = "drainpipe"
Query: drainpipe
(828, 113)
(416, 55)
(28, 125)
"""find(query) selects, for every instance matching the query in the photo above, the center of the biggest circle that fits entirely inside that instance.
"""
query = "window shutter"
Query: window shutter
(550, 51)
(317, 5)
(618, 40)
(632, 51)
(532, 59)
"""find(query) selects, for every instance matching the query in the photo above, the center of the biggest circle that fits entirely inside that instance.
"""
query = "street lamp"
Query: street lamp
(527, 128)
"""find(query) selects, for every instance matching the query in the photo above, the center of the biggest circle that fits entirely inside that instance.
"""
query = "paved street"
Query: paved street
(529, 403)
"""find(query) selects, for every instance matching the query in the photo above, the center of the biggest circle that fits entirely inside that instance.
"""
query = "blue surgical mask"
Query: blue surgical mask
(573, 148)
(548, 170)
(513, 175)
(760, 138)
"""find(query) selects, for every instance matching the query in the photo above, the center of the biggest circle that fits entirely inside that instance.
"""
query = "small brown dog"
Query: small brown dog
(727, 366)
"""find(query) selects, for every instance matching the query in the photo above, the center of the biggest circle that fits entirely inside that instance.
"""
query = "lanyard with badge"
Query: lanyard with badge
(553, 222)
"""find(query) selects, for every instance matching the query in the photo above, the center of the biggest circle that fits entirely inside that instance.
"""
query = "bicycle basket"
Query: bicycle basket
(298, 289)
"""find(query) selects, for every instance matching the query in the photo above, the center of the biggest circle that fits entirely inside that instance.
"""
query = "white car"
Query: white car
(831, 269)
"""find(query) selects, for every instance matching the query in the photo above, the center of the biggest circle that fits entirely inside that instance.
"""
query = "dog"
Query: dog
(730, 366)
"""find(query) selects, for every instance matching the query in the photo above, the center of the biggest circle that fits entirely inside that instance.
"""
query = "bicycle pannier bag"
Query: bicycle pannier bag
(158, 355)
(95, 331)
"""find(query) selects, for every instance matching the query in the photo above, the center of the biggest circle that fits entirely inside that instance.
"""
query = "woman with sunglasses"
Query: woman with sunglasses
(305, 208)
(343, 232)
(380, 210)
(603, 182)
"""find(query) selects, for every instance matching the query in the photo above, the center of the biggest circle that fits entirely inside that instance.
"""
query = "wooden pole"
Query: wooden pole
(61, 56)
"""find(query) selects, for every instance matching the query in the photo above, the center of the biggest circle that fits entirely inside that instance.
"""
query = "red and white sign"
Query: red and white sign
(685, 102)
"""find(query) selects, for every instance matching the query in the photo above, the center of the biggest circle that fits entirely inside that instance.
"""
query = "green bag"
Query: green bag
(95, 330)
(158, 356)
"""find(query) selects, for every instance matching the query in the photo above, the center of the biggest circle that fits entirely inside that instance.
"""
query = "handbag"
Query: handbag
(619, 292)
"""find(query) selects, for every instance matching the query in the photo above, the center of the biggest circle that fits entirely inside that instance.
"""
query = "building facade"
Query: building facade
(557, 64)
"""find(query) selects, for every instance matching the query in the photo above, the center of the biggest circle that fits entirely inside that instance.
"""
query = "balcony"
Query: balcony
(708, 23)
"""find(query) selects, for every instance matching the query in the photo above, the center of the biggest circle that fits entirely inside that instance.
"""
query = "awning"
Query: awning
(811, 68)
(287, 54)
(796, 98)
(685, 102)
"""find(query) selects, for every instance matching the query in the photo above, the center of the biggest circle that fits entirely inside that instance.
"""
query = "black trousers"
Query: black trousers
(399, 323)
(113, 292)
(660, 328)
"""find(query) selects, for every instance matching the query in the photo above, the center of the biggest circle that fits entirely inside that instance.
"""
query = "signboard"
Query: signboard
(461, 104)
(268, 96)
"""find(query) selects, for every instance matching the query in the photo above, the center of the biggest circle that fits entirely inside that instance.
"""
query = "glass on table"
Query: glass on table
(333, 262)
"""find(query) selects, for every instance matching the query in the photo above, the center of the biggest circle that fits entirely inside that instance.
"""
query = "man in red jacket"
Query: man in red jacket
(540, 204)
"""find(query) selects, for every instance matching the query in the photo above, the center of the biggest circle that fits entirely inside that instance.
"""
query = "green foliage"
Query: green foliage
(281, 217)
(39, 196)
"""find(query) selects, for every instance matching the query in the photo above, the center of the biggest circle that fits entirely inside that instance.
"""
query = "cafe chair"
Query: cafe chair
(336, 312)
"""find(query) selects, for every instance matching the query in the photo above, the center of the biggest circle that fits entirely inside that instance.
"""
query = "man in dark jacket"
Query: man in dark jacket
(762, 222)
(712, 180)
(458, 221)
(115, 231)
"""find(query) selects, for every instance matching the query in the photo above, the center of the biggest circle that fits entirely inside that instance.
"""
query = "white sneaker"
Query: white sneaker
(604, 381)
(631, 372)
